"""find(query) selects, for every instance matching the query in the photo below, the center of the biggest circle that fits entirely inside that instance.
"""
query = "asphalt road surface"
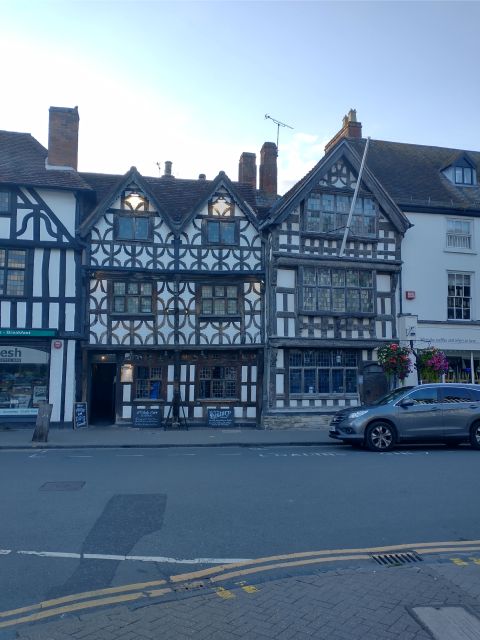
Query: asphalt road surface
(78, 520)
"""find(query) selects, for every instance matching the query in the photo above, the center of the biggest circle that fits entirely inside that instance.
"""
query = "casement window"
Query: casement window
(132, 297)
(459, 300)
(148, 383)
(328, 213)
(459, 234)
(219, 300)
(4, 202)
(218, 382)
(325, 371)
(220, 232)
(12, 272)
(129, 227)
(326, 290)
(464, 175)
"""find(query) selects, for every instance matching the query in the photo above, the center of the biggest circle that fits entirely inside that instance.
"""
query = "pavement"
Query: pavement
(332, 598)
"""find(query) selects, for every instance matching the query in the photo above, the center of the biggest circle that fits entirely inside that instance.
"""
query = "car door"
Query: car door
(460, 405)
(420, 417)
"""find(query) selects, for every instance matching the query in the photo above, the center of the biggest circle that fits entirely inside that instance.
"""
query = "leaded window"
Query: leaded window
(219, 300)
(459, 234)
(323, 371)
(148, 383)
(12, 272)
(329, 290)
(4, 202)
(459, 298)
(129, 227)
(328, 213)
(218, 383)
(132, 297)
(221, 232)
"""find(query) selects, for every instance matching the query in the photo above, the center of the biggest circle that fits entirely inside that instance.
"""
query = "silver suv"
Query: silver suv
(447, 413)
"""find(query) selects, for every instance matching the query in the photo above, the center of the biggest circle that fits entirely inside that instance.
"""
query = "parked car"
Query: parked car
(447, 413)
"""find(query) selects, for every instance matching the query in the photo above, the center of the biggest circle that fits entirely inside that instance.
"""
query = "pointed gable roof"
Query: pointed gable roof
(177, 200)
(345, 150)
(22, 161)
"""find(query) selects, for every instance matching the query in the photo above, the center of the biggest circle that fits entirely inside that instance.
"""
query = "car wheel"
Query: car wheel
(475, 435)
(380, 436)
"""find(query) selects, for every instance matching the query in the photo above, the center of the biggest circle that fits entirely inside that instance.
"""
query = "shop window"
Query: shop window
(328, 213)
(459, 297)
(132, 297)
(323, 372)
(12, 272)
(23, 379)
(148, 383)
(459, 234)
(130, 227)
(218, 383)
(327, 290)
(219, 300)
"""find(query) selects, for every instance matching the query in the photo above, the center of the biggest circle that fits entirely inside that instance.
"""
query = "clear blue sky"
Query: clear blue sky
(191, 82)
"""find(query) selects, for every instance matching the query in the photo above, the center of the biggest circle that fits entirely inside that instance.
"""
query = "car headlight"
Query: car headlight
(357, 414)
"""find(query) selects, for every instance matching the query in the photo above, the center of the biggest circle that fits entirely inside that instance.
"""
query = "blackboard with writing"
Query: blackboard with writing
(146, 418)
(220, 417)
(80, 415)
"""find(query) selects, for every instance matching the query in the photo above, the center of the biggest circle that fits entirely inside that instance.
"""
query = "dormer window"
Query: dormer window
(463, 175)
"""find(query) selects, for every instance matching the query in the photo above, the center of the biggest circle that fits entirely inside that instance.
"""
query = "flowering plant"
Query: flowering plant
(395, 360)
(431, 364)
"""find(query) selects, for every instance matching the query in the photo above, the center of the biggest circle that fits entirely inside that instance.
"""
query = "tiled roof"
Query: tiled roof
(412, 173)
(22, 161)
(177, 196)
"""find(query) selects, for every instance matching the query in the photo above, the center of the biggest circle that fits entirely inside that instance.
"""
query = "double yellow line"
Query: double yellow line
(155, 588)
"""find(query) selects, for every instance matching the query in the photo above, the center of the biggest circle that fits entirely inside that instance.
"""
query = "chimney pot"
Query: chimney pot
(202, 176)
(247, 169)
(168, 168)
(63, 138)
(268, 168)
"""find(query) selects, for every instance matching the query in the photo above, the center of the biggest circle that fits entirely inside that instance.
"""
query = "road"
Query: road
(178, 510)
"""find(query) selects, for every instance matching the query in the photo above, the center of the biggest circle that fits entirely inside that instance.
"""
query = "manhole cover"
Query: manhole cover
(397, 559)
(71, 485)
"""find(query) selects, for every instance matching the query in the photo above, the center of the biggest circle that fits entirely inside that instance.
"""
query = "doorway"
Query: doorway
(102, 393)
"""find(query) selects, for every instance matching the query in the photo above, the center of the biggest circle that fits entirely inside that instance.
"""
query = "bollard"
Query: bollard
(43, 422)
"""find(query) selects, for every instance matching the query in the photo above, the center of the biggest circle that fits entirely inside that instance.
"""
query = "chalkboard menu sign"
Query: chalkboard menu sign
(146, 418)
(80, 415)
(220, 417)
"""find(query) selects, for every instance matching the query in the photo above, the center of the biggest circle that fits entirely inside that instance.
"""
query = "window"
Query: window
(459, 296)
(328, 213)
(464, 175)
(133, 228)
(459, 234)
(218, 382)
(132, 297)
(454, 394)
(4, 202)
(12, 272)
(337, 290)
(220, 232)
(424, 396)
(148, 383)
(219, 300)
(323, 371)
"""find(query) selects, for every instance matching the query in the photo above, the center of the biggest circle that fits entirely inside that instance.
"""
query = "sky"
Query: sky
(192, 81)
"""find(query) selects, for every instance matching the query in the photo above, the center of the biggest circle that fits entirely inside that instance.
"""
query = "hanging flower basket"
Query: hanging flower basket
(431, 364)
(395, 360)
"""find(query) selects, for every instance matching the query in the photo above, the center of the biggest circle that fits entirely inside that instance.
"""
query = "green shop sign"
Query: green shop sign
(28, 333)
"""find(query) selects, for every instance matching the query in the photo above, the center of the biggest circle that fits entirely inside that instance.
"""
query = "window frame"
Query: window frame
(331, 367)
(8, 210)
(339, 214)
(132, 216)
(463, 169)
(126, 295)
(470, 235)
(200, 301)
(230, 220)
(334, 290)
(462, 297)
(4, 278)
(221, 365)
(161, 378)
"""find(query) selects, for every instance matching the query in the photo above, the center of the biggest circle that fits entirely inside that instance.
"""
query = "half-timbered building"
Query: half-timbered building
(327, 312)
(40, 266)
(175, 320)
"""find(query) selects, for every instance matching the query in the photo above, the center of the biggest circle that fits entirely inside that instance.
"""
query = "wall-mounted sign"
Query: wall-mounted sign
(28, 333)
(57, 344)
(410, 295)
(22, 355)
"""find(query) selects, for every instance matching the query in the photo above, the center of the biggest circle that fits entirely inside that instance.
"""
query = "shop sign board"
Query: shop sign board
(220, 417)
(148, 418)
(80, 415)
(22, 355)
(28, 333)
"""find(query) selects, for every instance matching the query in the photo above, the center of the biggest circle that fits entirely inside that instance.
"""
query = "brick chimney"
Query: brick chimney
(268, 168)
(247, 169)
(62, 138)
(168, 169)
(350, 129)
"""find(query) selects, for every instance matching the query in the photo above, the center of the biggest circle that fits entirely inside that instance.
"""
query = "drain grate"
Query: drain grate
(72, 485)
(397, 559)
(189, 586)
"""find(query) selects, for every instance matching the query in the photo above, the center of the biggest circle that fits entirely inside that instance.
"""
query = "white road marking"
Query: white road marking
(130, 455)
(79, 456)
(50, 554)
(305, 454)
(37, 454)
(229, 454)
(5, 552)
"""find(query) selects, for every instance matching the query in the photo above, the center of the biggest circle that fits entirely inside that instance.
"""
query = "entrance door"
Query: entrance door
(102, 394)
(374, 383)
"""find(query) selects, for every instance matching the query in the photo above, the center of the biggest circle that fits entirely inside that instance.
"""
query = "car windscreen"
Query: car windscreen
(393, 395)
